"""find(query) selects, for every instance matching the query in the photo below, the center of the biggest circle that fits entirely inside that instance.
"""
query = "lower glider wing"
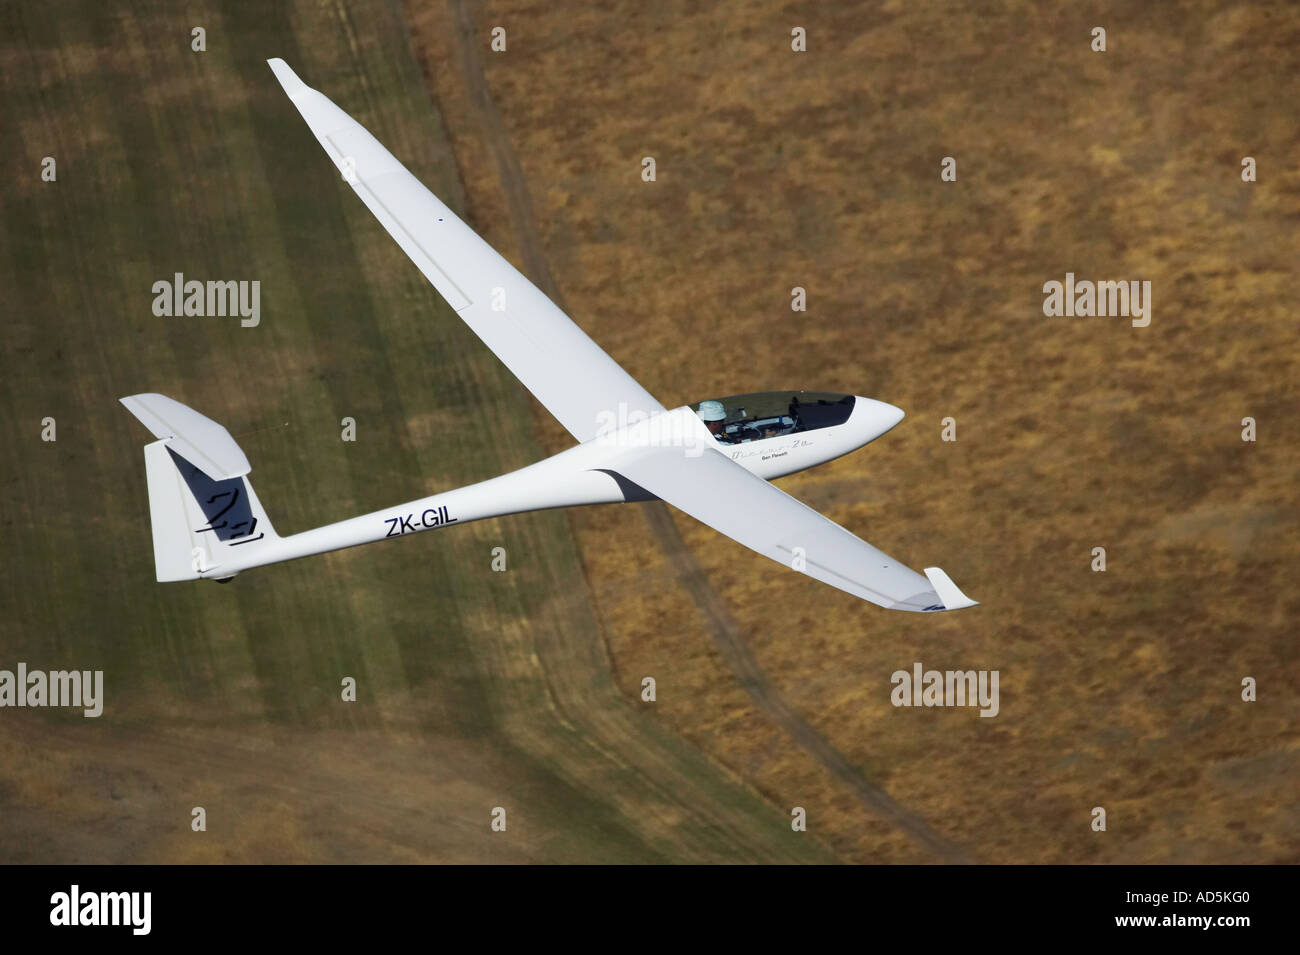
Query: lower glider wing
(715, 490)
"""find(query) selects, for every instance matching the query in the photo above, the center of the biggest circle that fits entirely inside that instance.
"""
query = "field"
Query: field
(822, 170)
(775, 169)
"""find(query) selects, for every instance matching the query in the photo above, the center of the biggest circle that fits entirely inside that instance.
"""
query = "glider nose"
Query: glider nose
(874, 418)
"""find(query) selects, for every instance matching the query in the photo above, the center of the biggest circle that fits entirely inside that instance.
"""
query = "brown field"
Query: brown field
(1120, 689)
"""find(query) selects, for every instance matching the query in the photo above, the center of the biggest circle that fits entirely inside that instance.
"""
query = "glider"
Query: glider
(712, 460)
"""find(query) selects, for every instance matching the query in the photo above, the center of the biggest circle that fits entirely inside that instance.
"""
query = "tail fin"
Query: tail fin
(201, 503)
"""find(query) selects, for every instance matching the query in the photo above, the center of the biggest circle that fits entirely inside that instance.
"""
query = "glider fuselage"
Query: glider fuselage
(582, 475)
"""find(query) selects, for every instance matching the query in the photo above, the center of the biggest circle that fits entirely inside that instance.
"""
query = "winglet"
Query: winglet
(288, 78)
(949, 593)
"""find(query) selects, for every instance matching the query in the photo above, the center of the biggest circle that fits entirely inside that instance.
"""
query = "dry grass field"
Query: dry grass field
(822, 170)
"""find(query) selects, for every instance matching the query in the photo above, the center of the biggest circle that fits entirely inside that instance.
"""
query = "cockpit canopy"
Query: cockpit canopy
(771, 414)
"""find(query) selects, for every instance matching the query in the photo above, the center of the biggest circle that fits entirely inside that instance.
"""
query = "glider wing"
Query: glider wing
(717, 491)
(551, 356)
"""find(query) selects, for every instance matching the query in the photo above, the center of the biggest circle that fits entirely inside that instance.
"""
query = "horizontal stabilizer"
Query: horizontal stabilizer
(197, 439)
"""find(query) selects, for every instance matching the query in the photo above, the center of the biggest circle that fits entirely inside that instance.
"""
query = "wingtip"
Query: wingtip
(949, 593)
(287, 77)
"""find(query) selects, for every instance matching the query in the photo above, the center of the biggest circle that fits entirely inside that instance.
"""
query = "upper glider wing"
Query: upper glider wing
(719, 492)
(554, 359)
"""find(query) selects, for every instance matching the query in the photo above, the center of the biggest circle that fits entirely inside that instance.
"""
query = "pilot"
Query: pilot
(714, 416)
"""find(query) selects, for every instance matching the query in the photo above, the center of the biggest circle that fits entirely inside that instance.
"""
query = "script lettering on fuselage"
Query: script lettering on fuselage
(766, 451)
(428, 518)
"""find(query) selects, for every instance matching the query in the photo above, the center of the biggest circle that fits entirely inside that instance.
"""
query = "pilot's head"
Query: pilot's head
(714, 416)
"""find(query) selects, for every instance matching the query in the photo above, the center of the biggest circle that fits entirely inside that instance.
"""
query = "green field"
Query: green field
(476, 689)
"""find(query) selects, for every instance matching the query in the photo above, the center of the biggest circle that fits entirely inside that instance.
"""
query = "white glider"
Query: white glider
(712, 460)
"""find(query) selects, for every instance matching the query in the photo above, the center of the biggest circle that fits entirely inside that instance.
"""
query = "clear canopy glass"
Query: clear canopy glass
(770, 414)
